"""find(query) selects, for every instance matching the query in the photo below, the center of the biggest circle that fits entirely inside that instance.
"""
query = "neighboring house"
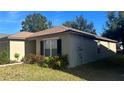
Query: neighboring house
(14, 43)
(81, 47)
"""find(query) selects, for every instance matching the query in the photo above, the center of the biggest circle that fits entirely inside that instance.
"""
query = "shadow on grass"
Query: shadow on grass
(109, 69)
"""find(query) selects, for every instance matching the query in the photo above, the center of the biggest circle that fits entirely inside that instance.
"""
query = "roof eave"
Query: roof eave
(114, 41)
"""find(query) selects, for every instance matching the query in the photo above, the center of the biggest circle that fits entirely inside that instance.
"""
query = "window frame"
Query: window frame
(50, 43)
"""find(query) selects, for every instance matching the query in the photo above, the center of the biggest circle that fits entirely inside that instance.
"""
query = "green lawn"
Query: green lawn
(33, 72)
(108, 69)
(111, 69)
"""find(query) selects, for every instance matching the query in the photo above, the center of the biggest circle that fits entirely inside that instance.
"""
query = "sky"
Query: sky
(10, 21)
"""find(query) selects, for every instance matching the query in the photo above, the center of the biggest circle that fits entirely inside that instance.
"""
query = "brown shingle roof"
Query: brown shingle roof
(104, 39)
(20, 35)
(54, 30)
(3, 35)
(61, 29)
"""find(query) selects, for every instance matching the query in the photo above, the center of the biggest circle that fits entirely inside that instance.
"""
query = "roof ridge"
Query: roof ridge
(24, 32)
(51, 28)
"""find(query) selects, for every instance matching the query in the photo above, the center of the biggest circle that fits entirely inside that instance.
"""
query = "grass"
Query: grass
(33, 72)
(108, 69)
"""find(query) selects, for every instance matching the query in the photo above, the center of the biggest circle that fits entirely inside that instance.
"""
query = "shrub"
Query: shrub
(45, 65)
(16, 56)
(4, 59)
(32, 59)
(64, 61)
(57, 62)
(57, 65)
(48, 60)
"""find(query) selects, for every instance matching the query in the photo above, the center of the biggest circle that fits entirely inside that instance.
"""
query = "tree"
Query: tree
(111, 27)
(35, 22)
(90, 28)
(121, 27)
(81, 24)
(115, 26)
(69, 24)
(50, 24)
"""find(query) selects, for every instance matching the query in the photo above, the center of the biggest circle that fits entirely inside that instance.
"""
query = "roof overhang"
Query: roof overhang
(88, 35)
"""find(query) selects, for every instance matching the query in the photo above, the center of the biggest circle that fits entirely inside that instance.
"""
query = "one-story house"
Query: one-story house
(81, 47)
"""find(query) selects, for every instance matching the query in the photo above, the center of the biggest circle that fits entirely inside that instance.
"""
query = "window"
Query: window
(54, 47)
(46, 47)
(50, 47)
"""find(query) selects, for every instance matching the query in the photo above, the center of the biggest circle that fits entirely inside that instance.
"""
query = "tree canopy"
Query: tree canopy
(81, 24)
(114, 28)
(110, 30)
(35, 22)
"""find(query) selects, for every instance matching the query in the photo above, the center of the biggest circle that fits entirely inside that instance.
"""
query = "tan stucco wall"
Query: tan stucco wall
(17, 47)
(108, 48)
(113, 47)
(109, 45)
(83, 50)
(63, 37)
(80, 50)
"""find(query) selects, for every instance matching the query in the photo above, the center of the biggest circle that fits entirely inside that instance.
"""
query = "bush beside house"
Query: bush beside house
(55, 62)
(16, 56)
(32, 59)
(4, 59)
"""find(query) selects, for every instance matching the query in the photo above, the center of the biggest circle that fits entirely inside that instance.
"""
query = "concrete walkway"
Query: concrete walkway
(11, 64)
